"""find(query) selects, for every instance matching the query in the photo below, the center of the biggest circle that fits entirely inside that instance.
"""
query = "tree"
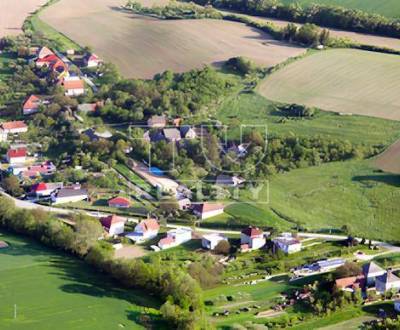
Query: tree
(347, 270)
(223, 247)
(11, 185)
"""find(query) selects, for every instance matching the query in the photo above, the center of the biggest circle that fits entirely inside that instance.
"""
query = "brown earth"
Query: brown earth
(13, 14)
(389, 160)
(143, 46)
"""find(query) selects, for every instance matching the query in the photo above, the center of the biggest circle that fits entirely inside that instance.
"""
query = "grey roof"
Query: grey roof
(388, 277)
(68, 192)
(371, 267)
(224, 179)
(172, 134)
(86, 107)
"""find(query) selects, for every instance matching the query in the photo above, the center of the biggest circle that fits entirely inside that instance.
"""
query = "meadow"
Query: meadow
(341, 80)
(143, 46)
(388, 8)
(54, 291)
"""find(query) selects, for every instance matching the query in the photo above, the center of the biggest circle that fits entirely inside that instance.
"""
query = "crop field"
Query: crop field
(54, 291)
(13, 14)
(327, 197)
(389, 161)
(340, 80)
(143, 46)
(389, 8)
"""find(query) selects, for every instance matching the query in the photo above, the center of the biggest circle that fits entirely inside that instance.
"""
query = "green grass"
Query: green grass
(389, 8)
(348, 193)
(254, 109)
(389, 260)
(340, 80)
(134, 178)
(54, 291)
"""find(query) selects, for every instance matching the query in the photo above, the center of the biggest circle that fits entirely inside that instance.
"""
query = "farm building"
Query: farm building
(386, 282)
(252, 238)
(207, 210)
(119, 202)
(287, 243)
(145, 230)
(70, 195)
(371, 271)
(210, 241)
(113, 224)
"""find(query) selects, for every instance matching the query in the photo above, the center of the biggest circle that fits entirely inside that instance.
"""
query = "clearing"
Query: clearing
(389, 160)
(341, 80)
(388, 8)
(72, 295)
(143, 46)
(13, 14)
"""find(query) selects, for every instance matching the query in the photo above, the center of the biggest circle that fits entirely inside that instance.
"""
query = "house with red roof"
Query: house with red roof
(207, 210)
(31, 105)
(92, 60)
(17, 155)
(252, 238)
(145, 230)
(350, 283)
(119, 202)
(73, 86)
(43, 189)
(43, 52)
(175, 237)
(113, 224)
(14, 127)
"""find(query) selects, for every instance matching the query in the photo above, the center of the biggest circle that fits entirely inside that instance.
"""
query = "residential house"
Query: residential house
(188, 132)
(350, 283)
(55, 64)
(252, 238)
(228, 180)
(327, 265)
(91, 60)
(287, 243)
(157, 122)
(210, 241)
(14, 127)
(145, 230)
(386, 282)
(114, 225)
(119, 202)
(33, 171)
(43, 189)
(73, 86)
(172, 134)
(153, 136)
(17, 156)
(44, 52)
(31, 105)
(70, 195)
(207, 210)
(371, 271)
(175, 237)
(239, 150)
(87, 107)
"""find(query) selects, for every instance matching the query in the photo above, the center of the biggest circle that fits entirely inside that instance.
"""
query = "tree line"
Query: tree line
(181, 294)
(324, 15)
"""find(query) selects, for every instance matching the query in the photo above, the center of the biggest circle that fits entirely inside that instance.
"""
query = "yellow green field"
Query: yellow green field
(341, 80)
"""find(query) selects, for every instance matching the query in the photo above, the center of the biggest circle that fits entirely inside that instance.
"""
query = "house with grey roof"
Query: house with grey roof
(70, 195)
(172, 134)
(371, 271)
(157, 121)
(386, 282)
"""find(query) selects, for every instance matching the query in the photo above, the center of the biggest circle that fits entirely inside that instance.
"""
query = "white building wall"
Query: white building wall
(117, 228)
(211, 214)
(71, 199)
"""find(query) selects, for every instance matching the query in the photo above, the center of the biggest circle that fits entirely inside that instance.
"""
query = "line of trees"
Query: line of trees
(324, 15)
(182, 295)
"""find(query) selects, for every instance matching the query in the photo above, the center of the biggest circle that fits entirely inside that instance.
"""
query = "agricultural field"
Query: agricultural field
(388, 8)
(143, 46)
(54, 291)
(389, 160)
(340, 80)
(13, 14)
(329, 196)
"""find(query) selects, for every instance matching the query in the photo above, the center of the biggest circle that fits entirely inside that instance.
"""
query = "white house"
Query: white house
(184, 203)
(287, 243)
(70, 195)
(14, 127)
(207, 210)
(386, 282)
(3, 135)
(144, 230)
(92, 61)
(371, 271)
(210, 241)
(113, 224)
(16, 156)
(252, 238)
(73, 86)
(43, 189)
(175, 237)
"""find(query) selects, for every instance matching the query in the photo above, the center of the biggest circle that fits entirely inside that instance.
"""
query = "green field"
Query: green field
(341, 80)
(254, 109)
(54, 291)
(389, 8)
(329, 196)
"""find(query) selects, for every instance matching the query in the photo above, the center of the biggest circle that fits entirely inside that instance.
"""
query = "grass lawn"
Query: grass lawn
(389, 260)
(254, 109)
(54, 291)
(329, 196)
(341, 80)
(134, 178)
(388, 8)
